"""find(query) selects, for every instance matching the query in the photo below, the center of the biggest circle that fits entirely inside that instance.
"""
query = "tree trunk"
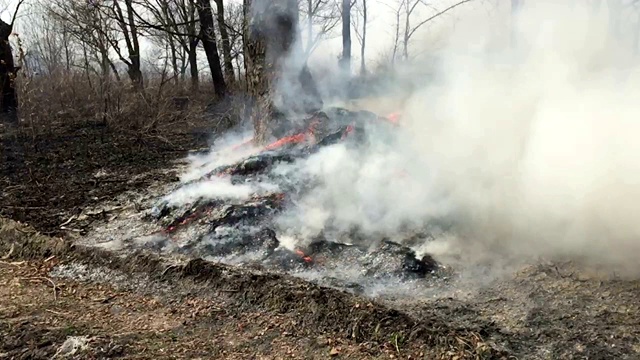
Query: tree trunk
(363, 65)
(114, 70)
(226, 42)
(193, 63)
(135, 72)
(636, 37)
(309, 27)
(516, 5)
(407, 27)
(8, 71)
(270, 30)
(135, 75)
(130, 34)
(396, 38)
(345, 61)
(174, 60)
(208, 37)
(67, 51)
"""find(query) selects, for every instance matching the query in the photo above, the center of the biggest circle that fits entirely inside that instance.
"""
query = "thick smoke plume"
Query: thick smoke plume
(522, 147)
(521, 144)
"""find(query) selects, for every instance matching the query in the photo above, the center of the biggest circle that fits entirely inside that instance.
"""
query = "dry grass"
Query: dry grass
(64, 98)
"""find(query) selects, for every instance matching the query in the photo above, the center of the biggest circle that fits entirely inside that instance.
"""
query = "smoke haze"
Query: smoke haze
(521, 150)
(522, 145)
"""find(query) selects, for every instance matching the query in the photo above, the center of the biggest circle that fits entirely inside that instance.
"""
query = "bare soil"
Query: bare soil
(55, 294)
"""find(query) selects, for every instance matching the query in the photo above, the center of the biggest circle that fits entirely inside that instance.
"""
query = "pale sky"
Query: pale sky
(379, 30)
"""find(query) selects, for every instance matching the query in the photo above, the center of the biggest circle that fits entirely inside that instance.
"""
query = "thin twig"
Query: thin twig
(55, 287)
(56, 312)
(8, 255)
(15, 263)
(168, 268)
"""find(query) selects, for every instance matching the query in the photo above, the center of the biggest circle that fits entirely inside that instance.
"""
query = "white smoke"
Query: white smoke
(528, 150)
(228, 149)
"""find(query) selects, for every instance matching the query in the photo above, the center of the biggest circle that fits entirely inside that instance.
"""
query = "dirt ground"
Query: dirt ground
(60, 300)
(55, 294)
(48, 174)
(110, 322)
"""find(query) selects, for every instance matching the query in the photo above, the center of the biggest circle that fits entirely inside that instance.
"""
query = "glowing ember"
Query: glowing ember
(304, 256)
(348, 131)
(394, 118)
(185, 221)
(293, 139)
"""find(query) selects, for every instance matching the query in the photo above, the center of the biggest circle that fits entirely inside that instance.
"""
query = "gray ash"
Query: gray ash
(243, 229)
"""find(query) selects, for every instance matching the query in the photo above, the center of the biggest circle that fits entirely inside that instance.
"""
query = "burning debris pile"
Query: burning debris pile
(228, 213)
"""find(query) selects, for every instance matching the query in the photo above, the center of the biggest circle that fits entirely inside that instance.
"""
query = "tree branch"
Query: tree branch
(436, 15)
(15, 13)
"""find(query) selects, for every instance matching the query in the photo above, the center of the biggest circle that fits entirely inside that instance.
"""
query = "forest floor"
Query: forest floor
(62, 300)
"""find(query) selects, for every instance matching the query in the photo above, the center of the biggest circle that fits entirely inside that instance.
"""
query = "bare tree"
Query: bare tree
(167, 31)
(320, 17)
(179, 22)
(8, 69)
(93, 30)
(226, 41)
(410, 7)
(234, 22)
(360, 22)
(126, 21)
(207, 34)
(49, 44)
(103, 22)
(397, 11)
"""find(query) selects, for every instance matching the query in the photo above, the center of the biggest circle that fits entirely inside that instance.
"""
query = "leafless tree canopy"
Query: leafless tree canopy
(143, 46)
